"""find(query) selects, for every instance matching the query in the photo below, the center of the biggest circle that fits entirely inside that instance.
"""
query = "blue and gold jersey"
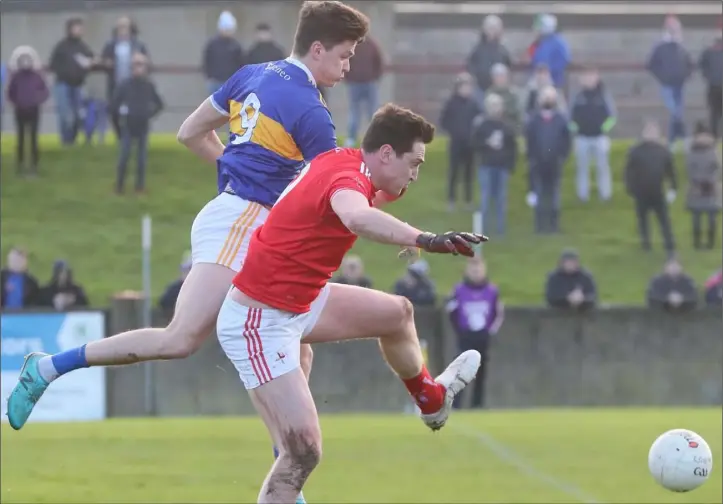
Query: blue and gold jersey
(278, 122)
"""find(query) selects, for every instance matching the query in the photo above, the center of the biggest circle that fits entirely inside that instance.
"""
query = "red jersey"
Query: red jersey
(294, 253)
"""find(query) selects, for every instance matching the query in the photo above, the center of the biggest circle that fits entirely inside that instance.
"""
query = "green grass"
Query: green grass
(71, 212)
(541, 456)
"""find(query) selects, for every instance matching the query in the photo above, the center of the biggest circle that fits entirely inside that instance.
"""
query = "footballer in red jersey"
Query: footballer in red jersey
(282, 297)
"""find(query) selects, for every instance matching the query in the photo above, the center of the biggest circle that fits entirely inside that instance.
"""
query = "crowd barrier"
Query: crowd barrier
(540, 358)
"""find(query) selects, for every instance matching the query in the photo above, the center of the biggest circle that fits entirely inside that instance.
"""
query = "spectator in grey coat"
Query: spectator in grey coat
(711, 66)
(673, 290)
(704, 184)
(548, 146)
(487, 53)
(117, 59)
(593, 116)
(223, 54)
(671, 65)
(416, 285)
(648, 166)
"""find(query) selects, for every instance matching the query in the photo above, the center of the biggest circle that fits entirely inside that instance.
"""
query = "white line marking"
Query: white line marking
(514, 459)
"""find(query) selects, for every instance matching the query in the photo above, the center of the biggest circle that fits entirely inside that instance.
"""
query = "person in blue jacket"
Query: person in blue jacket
(551, 49)
(3, 79)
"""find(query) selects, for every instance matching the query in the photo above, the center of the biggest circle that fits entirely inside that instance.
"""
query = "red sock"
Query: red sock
(428, 394)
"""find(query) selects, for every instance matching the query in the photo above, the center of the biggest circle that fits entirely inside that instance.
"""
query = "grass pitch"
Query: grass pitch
(71, 212)
(555, 456)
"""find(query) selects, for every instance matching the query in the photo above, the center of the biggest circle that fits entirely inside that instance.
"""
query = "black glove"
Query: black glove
(450, 242)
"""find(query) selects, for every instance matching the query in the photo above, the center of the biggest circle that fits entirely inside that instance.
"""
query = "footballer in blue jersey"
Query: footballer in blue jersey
(278, 122)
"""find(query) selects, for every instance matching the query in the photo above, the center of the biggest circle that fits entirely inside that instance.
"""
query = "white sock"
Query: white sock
(46, 369)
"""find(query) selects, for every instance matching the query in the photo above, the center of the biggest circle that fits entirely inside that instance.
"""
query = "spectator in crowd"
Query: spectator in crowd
(351, 272)
(704, 184)
(593, 116)
(3, 80)
(70, 61)
(136, 101)
(62, 293)
(548, 146)
(27, 91)
(711, 66)
(714, 290)
(117, 59)
(19, 288)
(223, 54)
(265, 48)
(570, 286)
(458, 115)
(671, 65)
(550, 49)
(501, 86)
(540, 79)
(167, 301)
(362, 81)
(648, 165)
(416, 285)
(673, 290)
(476, 312)
(488, 52)
(496, 143)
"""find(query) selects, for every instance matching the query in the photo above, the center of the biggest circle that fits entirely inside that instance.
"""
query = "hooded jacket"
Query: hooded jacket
(27, 88)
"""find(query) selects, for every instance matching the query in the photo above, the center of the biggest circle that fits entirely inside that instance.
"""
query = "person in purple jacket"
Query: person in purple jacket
(27, 91)
(476, 312)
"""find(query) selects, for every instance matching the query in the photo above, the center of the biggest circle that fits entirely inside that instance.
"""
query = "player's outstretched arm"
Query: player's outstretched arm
(198, 132)
(355, 213)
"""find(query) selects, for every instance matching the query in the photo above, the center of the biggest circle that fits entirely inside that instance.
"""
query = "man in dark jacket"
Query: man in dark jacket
(136, 102)
(265, 49)
(19, 288)
(487, 53)
(548, 146)
(458, 115)
(648, 165)
(711, 66)
(223, 54)
(168, 299)
(671, 65)
(351, 272)
(416, 285)
(593, 116)
(570, 286)
(70, 61)
(496, 143)
(117, 59)
(62, 293)
(673, 290)
(362, 81)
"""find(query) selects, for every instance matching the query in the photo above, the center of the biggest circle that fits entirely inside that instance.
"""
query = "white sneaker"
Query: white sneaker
(454, 379)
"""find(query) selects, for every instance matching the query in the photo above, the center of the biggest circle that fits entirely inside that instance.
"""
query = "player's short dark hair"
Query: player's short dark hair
(396, 126)
(330, 23)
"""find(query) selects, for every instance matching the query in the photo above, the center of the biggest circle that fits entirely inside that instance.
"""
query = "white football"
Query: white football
(680, 460)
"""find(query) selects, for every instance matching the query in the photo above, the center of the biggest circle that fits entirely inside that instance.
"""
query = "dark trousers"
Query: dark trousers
(461, 158)
(698, 228)
(127, 140)
(660, 208)
(547, 211)
(715, 108)
(480, 341)
(27, 122)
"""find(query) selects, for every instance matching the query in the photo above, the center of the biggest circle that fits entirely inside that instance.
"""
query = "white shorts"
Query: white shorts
(223, 228)
(264, 344)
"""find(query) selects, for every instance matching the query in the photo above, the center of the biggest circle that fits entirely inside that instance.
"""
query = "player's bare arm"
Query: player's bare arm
(355, 213)
(198, 132)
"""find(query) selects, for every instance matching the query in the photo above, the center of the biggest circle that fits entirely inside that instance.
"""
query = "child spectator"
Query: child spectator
(27, 91)
(458, 116)
(136, 101)
(704, 184)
